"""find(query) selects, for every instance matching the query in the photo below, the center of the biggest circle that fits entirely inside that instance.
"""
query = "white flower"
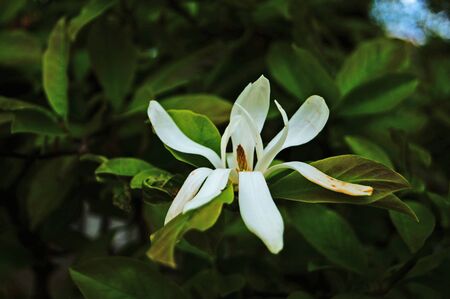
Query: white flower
(248, 115)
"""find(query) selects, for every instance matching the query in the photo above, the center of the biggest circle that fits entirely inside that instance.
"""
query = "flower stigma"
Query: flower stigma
(241, 159)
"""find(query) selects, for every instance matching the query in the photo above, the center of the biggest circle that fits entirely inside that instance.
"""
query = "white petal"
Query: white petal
(258, 210)
(187, 191)
(229, 130)
(255, 135)
(255, 99)
(173, 137)
(316, 176)
(306, 123)
(270, 152)
(213, 186)
(231, 161)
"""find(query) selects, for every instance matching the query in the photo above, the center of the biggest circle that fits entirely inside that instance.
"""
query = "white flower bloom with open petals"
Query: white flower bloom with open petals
(248, 115)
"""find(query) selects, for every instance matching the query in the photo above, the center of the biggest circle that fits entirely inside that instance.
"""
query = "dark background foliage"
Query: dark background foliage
(76, 78)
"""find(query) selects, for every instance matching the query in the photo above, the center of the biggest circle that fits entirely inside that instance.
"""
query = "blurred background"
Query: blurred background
(76, 79)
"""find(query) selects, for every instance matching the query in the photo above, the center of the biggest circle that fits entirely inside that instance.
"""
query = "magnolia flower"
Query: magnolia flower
(248, 115)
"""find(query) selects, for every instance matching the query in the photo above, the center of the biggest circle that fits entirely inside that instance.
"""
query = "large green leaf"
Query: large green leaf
(373, 59)
(122, 278)
(329, 234)
(414, 234)
(55, 61)
(198, 128)
(30, 118)
(214, 107)
(348, 168)
(212, 284)
(89, 12)
(165, 239)
(51, 183)
(114, 58)
(19, 48)
(428, 263)
(122, 167)
(443, 206)
(393, 203)
(173, 75)
(300, 73)
(10, 104)
(368, 149)
(377, 96)
(36, 122)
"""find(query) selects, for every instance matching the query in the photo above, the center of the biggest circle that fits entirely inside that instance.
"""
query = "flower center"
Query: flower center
(241, 159)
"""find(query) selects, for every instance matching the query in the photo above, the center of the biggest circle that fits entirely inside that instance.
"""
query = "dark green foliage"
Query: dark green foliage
(85, 184)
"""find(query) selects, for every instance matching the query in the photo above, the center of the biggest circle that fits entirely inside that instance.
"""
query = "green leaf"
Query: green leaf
(93, 158)
(368, 149)
(124, 278)
(212, 284)
(428, 263)
(149, 175)
(89, 12)
(114, 59)
(407, 120)
(215, 108)
(19, 48)
(176, 74)
(55, 63)
(329, 234)
(300, 73)
(198, 128)
(123, 167)
(393, 203)
(348, 168)
(165, 239)
(373, 59)
(9, 104)
(157, 185)
(443, 207)
(49, 186)
(377, 96)
(33, 121)
(414, 234)
(30, 118)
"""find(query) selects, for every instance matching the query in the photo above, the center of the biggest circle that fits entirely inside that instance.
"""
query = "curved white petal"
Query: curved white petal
(255, 99)
(255, 135)
(231, 161)
(316, 176)
(226, 138)
(259, 212)
(173, 137)
(270, 152)
(213, 186)
(306, 123)
(187, 192)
